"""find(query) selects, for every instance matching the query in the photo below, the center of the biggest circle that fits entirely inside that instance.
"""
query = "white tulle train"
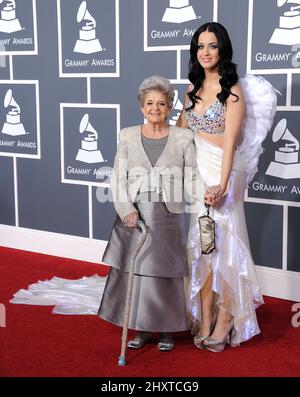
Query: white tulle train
(80, 296)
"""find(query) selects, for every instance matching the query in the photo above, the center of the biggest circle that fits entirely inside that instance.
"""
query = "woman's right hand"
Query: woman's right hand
(131, 220)
(212, 195)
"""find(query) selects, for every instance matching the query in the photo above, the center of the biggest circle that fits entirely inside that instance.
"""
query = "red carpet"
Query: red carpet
(36, 343)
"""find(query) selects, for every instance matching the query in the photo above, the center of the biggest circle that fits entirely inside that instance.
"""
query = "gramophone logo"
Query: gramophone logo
(170, 24)
(83, 28)
(87, 43)
(12, 125)
(179, 11)
(288, 32)
(177, 108)
(89, 152)
(286, 164)
(9, 23)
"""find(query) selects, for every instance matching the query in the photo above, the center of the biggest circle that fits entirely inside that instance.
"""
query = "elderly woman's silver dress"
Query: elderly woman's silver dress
(158, 301)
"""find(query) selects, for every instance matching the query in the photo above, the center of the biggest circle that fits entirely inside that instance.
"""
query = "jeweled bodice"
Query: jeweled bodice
(212, 121)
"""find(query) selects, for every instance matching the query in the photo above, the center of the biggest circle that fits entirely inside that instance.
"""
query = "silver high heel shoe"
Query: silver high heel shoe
(199, 339)
(218, 345)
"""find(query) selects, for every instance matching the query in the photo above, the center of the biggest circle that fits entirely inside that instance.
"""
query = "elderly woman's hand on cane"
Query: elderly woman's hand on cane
(131, 220)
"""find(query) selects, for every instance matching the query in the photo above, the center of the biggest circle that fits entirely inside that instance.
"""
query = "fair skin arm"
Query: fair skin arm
(233, 123)
(181, 122)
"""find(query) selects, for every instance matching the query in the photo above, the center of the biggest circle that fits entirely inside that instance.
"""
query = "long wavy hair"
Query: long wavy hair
(226, 68)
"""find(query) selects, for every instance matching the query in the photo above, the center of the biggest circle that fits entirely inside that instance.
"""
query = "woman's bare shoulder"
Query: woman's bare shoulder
(237, 98)
(236, 90)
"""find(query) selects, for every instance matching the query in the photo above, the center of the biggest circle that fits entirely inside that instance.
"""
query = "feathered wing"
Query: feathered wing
(261, 103)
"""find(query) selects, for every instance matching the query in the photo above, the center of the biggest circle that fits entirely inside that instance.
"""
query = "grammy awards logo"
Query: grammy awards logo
(177, 106)
(87, 42)
(288, 32)
(12, 125)
(89, 152)
(179, 11)
(9, 23)
(286, 164)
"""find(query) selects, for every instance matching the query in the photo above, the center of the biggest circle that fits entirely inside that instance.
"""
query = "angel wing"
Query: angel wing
(261, 100)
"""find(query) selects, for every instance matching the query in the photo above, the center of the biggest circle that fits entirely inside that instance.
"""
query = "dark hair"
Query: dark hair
(227, 69)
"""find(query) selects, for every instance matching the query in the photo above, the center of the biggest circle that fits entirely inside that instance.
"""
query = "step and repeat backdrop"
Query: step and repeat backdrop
(69, 75)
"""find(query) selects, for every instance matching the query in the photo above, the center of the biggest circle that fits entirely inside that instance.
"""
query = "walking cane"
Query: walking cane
(142, 226)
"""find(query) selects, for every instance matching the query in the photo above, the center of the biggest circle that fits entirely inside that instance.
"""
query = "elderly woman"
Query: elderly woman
(154, 174)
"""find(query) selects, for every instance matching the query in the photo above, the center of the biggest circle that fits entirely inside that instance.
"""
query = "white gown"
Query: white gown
(234, 277)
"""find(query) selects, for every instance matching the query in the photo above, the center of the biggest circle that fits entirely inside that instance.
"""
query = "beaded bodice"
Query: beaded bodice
(212, 121)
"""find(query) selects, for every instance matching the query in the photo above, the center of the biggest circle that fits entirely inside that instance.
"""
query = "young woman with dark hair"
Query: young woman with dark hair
(227, 73)
(223, 289)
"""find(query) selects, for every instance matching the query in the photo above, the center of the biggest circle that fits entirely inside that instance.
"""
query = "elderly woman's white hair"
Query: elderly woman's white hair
(156, 83)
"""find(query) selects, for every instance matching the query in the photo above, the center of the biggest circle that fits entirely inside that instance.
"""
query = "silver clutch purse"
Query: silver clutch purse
(207, 232)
